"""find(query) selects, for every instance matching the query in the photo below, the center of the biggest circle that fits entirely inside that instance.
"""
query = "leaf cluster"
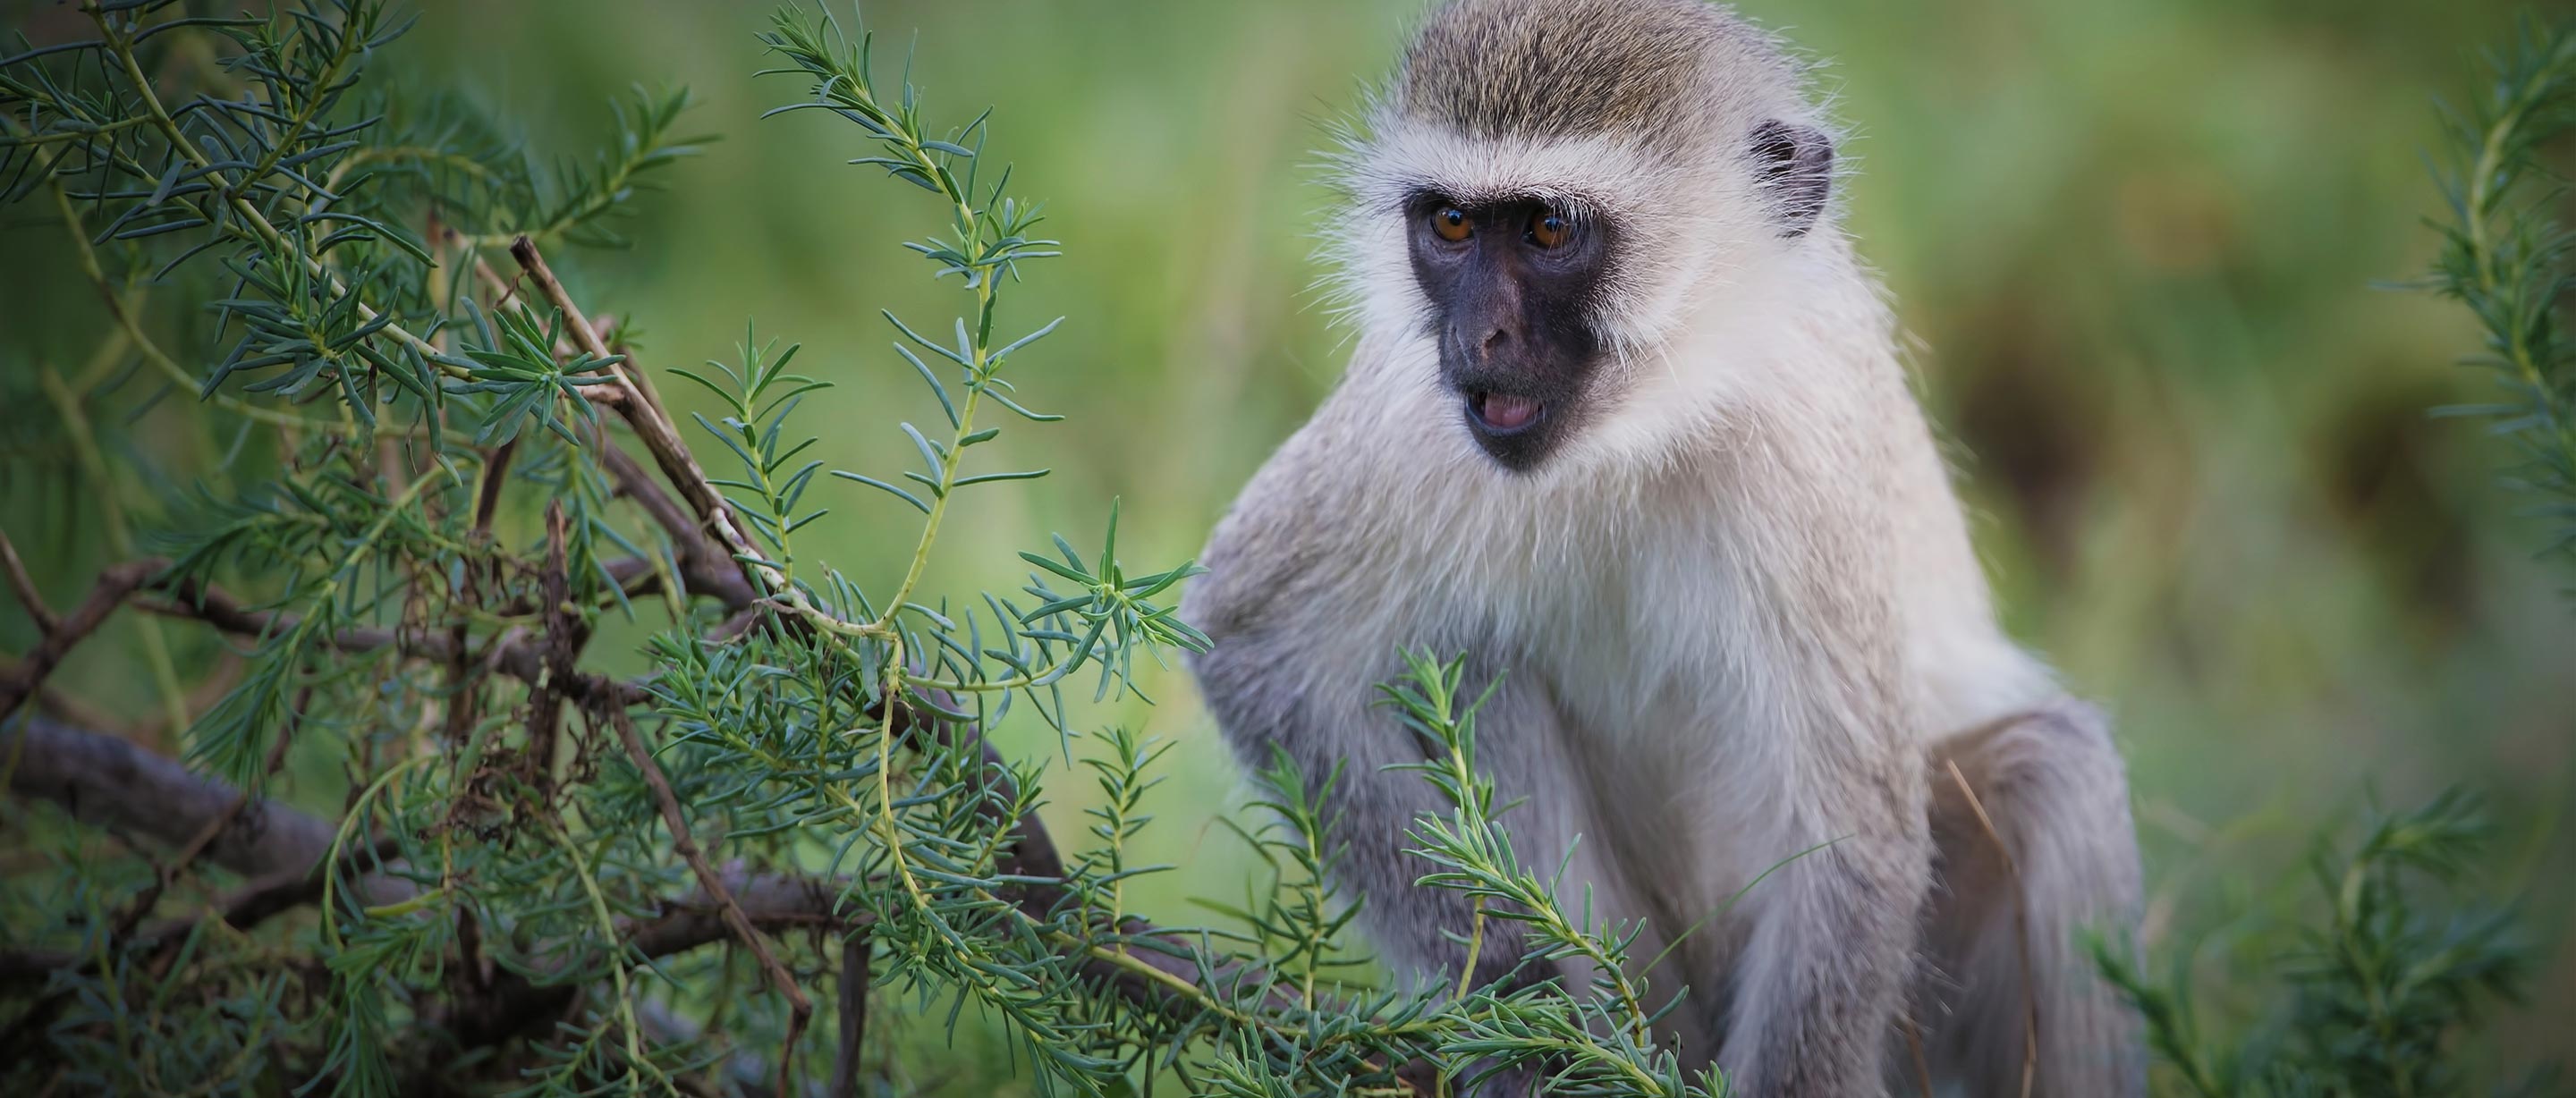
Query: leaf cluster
(2508, 258)
(2378, 994)
(426, 513)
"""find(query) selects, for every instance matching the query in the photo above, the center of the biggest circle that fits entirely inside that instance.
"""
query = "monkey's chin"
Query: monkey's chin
(1504, 414)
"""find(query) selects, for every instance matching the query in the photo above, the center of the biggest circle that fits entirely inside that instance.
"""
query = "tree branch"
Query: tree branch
(21, 681)
(643, 411)
(106, 782)
(97, 779)
(799, 1008)
(707, 569)
(46, 620)
(703, 566)
(109, 783)
(855, 958)
(511, 653)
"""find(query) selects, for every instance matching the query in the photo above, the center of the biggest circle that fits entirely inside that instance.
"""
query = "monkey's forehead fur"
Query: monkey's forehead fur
(1645, 72)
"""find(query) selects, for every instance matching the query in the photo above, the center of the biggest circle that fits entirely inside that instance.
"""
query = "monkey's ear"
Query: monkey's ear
(1793, 166)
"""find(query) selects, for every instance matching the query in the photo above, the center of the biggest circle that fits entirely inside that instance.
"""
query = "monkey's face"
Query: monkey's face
(1577, 189)
(1510, 286)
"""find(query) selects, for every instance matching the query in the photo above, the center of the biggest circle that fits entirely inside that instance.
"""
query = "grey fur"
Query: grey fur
(1795, 170)
(1512, 68)
(2053, 786)
(1736, 619)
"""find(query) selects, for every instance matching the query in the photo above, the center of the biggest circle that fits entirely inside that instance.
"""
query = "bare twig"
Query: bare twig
(46, 620)
(652, 425)
(113, 586)
(799, 1008)
(1029, 854)
(2021, 930)
(107, 782)
(707, 569)
(1914, 1044)
(496, 476)
(111, 783)
(855, 957)
(565, 633)
(517, 1006)
(511, 653)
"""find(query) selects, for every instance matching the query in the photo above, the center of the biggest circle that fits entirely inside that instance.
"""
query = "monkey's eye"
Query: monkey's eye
(1550, 229)
(1452, 224)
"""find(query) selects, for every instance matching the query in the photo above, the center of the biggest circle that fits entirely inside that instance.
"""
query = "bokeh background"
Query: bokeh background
(2141, 243)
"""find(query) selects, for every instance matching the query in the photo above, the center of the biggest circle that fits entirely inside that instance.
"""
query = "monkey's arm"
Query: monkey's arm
(1823, 973)
(1825, 968)
(1266, 697)
(2041, 855)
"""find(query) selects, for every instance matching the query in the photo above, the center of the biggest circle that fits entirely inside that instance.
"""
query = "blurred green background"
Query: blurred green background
(2137, 240)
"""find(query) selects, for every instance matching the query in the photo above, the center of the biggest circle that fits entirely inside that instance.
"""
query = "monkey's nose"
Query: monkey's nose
(1495, 341)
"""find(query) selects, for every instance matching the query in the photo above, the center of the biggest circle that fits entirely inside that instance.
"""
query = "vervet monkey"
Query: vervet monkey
(1625, 423)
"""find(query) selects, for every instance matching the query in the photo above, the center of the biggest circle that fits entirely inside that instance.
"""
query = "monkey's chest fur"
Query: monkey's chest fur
(1634, 645)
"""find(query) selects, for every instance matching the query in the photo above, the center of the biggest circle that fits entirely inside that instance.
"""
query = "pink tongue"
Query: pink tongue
(1508, 412)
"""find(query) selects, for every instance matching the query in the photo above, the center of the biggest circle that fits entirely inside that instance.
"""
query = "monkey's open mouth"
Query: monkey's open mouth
(1503, 413)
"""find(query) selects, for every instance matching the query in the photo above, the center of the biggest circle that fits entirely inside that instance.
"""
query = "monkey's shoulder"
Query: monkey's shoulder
(1284, 540)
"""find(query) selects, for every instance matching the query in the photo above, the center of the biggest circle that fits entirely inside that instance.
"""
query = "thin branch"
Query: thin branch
(653, 427)
(46, 620)
(2021, 929)
(496, 476)
(113, 587)
(565, 633)
(1029, 854)
(856, 954)
(517, 1006)
(707, 569)
(107, 782)
(511, 653)
(799, 1007)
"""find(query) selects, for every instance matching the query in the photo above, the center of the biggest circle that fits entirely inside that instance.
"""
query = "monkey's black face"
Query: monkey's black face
(1511, 286)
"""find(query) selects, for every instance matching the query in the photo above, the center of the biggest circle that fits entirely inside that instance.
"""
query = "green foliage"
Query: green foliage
(2376, 997)
(2383, 993)
(1594, 1042)
(2510, 261)
(427, 516)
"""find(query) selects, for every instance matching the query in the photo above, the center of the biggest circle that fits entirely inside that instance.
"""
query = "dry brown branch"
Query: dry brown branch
(114, 585)
(113, 784)
(516, 1006)
(496, 476)
(46, 620)
(644, 412)
(565, 633)
(706, 569)
(799, 1008)
(109, 783)
(855, 956)
(511, 653)
(2021, 930)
